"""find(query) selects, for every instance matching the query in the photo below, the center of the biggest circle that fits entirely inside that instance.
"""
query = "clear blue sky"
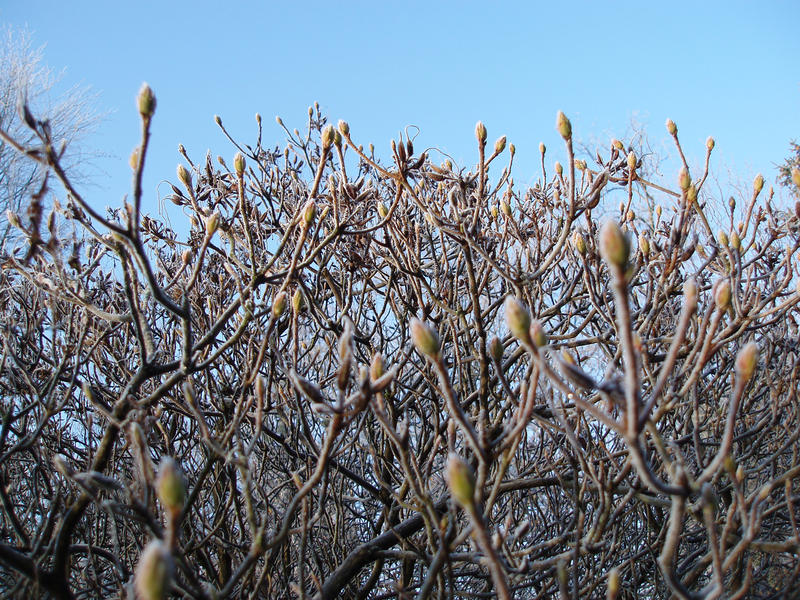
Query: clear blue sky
(727, 69)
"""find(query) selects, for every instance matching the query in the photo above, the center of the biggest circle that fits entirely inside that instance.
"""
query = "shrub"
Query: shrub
(402, 380)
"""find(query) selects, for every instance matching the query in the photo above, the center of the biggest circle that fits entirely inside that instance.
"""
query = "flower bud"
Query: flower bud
(690, 294)
(133, 160)
(460, 480)
(480, 132)
(153, 572)
(496, 349)
(722, 294)
(691, 194)
(736, 242)
(518, 319)
(383, 212)
(644, 244)
(617, 144)
(13, 218)
(614, 244)
(297, 301)
(710, 143)
(184, 176)
(722, 238)
(612, 589)
(512, 150)
(212, 223)
(684, 179)
(758, 184)
(328, 136)
(631, 161)
(146, 101)
(279, 304)
(377, 367)
(505, 207)
(563, 125)
(559, 168)
(746, 361)
(170, 487)
(542, 148)
(579, 242)
(796, 176)
(500, 145)
(239, 163)
(337, 139)
(309, 212)
(424, 338)
(538, 335)
(344, 128)
(671, 127)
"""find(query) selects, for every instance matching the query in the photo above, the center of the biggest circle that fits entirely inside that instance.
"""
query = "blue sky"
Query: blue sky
(727, 69)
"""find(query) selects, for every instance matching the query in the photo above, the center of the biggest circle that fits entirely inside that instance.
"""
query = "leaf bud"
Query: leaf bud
(614, 244)
(146, 101)
(460, 480)
(722, 238)
(153, 572)
(518, 319)
(424, 338)
(671, 127)
(212, 223)
(480, 132)
(691, 194)
(170, 487)
(644, 244)
(736, 242)
(746, 361)
(239, 163)
(563, 125)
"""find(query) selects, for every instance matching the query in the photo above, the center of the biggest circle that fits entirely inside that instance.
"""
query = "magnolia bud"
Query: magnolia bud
(563, 125)
(184, 176)
(614, 245)
(146, 101)
(133, 160)
(424, 338)
(153, 572)
(239, 163)
(212, 223)
(746, 361)
(460, 480)
(691, 194)
(722, 294)
(480, 132)
(344, 128)
(512, 149)
(631, 161)
(377, 368)
(758, 184)
(309, 212)
(279, 304)
(500, 145)
(579, 242)
(328, 136)
(383, 212)
(612, 590)
(736, 242)
(542, 148)
(644, 244)
(559, 168)
(671, 127)
(690, 294)
(710, 143)
(496, 349)
(684, 180)
(170, 487)
(518, 319)
(722, 238)
(505, 207)
(617, 144)
(537, 334)
(796, 176)
(297, 301)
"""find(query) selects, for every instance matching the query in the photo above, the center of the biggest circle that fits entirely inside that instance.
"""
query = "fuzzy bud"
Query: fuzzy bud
(460, 480)
(377, 367)
(710, 143)
(239, 163)
(617, 144)
(297, 301)
(644, 244)
(383, 212)
(279, 304)
(559, 168)
(722, 294)
(212, 223)
(344, 128)
(133, 160)
(13, 218)
(500, 145)
(631, 161)
(146, 101)
(563, 125)
(690, 294)
(328, 136)
(170, 487)
(538, 335)
(796, 176)
(496, 349)
(612, 589)
(184, 176)
(309, 212)
(691, 194)
(542, 148)
(684, 179)
(480, 132)
(758, 184)
(722, 238)
(153, 572)
(736, 242)
(746, 361)
(518, 319)
(579, 242)
(671, 127)
(614, 245)
(425, 339)
(505, 208)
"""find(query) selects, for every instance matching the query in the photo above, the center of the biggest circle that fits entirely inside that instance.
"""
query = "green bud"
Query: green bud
(684, 179)
(279, 304)
(383, 212)
(212, 223)
(518, 319)
(309, 212)
(746, 361)
(500, 145)
(722, 238)
(614, 244)
(146, 101)
(496, 349)
(736, 242)
(460, 480)
(328, 136)
(579, 242)
(631, 161)
(239, 163)
(563, 125)
(344, 128)
(184, 176)
(710, 143)
(170, 487)
(691, 194)
(671, 127)
(424, 338)
(722, 294)
(480, 132)
(758, 184)
(538, 335)
(153, 572)
(297, 301)
(505, 207)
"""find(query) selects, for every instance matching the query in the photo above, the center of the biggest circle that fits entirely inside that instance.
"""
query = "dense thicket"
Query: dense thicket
(403, 379)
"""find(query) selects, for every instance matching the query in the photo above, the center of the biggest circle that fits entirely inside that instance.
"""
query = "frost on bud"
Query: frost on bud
(796, 176)
(563, 125)
(309, 212)
(328, 136)
(500, 145)
(425, 339)
(684, 179)
(538, 335)
(279, 304)
(460, 480)
(542, 148)
(631, 161)
(579, 242)
(722, 294)
(212, 223)
(746, 361)
(239, 163)
(146, 101)
(480, 132)
(518, 319)
(614, 244)
(644, 244)
(671, 127)
(153, 572)
(758, 184)
(184, 176)
(344, 128)
(722, 238)
(710, 143)
(170, 487)
(496, 349)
